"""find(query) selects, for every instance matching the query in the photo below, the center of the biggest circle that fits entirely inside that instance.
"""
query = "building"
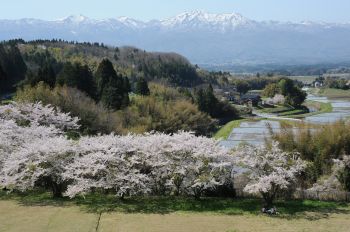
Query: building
(250, 99)
(226, 94)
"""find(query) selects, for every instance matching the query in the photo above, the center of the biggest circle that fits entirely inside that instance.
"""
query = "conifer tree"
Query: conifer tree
(47, 75)
(2, 79)
(78, 76)
(13, 66)
(110, 86)
(142, 87)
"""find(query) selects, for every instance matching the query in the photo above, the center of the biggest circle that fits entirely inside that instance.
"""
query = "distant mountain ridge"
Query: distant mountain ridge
(203, 37)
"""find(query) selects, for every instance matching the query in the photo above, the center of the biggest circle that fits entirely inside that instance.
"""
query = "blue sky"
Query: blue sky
(283, 10)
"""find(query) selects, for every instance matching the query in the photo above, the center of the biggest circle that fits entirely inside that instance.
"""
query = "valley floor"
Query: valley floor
(17, 216)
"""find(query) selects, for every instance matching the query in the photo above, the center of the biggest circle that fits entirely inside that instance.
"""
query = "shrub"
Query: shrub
(94, 118)
(318, 145)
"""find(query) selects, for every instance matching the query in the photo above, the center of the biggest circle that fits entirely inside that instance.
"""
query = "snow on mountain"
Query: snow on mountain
(77, 19)
(201, 18)
(202, 37)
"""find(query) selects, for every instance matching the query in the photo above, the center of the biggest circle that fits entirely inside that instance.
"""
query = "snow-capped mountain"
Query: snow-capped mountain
(203, 37)
(200, 19)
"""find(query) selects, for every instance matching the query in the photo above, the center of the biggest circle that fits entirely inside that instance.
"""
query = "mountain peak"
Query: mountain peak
(74, 19)
(199, 17)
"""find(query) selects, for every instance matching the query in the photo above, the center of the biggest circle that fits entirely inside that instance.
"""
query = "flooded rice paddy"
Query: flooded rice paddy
(256, 132)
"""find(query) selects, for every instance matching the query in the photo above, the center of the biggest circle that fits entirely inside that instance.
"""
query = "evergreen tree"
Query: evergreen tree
(68, 75)
(200, 100)
(206, 100)
(211, 101)
(127, 86)
(2, 74)
(127, 89)
(78, 76)
(87, 82)
(47, 75)
(110, 86)
(104, 74)
(208, 103)
(2, 79)
(13, 66)
(142, 87)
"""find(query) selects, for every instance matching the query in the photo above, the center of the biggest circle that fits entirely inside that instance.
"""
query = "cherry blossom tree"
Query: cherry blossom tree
(38, 114)
(39, 163)
(33, 149)
(107, 162)
(153, 163)
(270, 170)
(342, 171)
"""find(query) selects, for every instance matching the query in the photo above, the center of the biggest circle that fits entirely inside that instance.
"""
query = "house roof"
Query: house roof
(250, 96)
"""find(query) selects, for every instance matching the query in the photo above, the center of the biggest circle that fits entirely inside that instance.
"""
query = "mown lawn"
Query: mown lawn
(39, 212)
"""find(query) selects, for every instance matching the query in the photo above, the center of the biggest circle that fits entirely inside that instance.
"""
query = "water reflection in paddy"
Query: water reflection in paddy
(255, 132)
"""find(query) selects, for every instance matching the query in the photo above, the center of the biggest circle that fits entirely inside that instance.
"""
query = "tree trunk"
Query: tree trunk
(197, 193)
(56, 190)
(268, 200)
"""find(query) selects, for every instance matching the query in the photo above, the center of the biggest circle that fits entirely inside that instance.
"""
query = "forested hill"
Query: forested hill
(98, 84)
(167, 68)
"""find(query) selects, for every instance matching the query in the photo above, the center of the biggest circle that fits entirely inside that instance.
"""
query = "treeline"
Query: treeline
(334, 82)
(42, 41)
(253, 83)
(105, 85)
(168, 68)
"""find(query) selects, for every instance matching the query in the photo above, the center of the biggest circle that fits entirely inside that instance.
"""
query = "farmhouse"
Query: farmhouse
(253, 99)
(226, 94)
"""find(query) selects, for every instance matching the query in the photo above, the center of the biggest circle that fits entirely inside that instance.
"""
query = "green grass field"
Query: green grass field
(320, 106)
(332, 93)
(225, 131)
(39, 212)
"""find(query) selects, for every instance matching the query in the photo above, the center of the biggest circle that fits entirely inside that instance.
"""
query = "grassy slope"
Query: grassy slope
(332, 93)
(300, 113)
(321, 106)
(276, 110)
(283, 111)
(39, 212)
(225, 131)
(335, 93)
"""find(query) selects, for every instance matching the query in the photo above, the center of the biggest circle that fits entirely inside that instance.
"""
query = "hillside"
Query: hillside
(114, 89)
(169, 68)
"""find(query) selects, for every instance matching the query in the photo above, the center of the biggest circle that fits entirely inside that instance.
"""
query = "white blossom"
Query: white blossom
(270, 169)
(34, 152)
